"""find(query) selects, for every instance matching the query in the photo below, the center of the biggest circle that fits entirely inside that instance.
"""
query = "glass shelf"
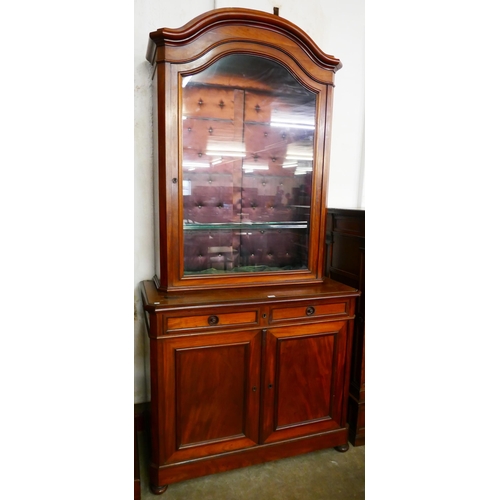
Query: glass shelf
(245, 225)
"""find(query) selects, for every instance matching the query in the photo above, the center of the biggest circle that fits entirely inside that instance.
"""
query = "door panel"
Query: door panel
(212, 382)
(210, 393)
(303, 380)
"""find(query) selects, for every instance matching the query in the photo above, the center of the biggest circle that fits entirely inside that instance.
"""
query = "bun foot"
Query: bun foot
(158, 490)
(342, 448)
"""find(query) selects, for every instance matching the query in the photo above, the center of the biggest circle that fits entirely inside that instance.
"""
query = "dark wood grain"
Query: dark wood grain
(304, 379)
(211, 388)
(137, 473)
(346, 264)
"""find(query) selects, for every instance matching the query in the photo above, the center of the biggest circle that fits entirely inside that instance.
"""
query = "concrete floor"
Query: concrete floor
(321, 475)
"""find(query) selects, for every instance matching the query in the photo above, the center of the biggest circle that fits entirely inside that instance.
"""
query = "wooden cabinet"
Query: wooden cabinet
(250, 343)
(346, 263)
(238, 379)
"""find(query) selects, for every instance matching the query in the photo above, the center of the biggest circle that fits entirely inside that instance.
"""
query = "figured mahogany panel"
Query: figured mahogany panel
(303, 385)
(304, 379)
(210, 393)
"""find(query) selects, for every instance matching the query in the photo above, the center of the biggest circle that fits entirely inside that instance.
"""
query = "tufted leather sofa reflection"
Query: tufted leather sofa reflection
(242, 248)
(215, 115)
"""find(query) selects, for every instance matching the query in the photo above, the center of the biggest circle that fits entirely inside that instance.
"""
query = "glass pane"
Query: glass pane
(248, 147)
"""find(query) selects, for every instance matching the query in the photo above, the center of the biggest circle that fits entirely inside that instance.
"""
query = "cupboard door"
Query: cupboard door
(210, 395)
(304, 380)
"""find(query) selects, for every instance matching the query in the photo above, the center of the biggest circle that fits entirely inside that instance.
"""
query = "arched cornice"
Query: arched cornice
(178, 37)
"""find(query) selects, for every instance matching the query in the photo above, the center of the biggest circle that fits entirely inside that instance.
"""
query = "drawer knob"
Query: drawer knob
(213, 320)
(310, 311)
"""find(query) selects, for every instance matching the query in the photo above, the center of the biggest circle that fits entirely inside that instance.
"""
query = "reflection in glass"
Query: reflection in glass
(248, 152)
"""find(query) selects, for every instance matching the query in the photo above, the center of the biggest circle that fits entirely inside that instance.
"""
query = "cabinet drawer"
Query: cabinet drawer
(308, 310)
(211, 320)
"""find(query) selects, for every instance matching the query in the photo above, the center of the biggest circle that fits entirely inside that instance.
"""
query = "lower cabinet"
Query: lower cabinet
(236, 384)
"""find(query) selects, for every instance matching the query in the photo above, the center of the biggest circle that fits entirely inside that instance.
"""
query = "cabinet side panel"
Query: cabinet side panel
(345, 264)
(155, 176)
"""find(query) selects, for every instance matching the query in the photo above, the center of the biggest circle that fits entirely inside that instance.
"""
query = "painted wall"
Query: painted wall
(337, 26)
